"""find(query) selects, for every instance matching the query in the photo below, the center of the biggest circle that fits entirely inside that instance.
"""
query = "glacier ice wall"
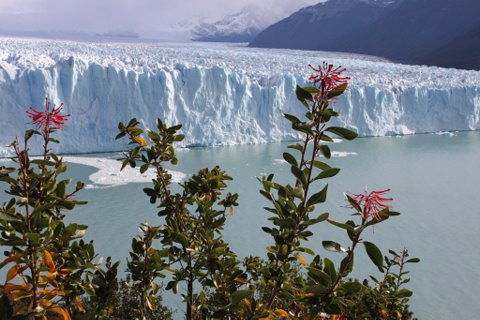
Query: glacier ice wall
(222, 95)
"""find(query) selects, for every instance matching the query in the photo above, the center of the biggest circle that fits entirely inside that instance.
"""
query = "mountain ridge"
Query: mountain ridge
(406, 31)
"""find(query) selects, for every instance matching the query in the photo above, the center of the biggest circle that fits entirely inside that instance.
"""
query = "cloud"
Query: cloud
(19, 7)
(145, 17)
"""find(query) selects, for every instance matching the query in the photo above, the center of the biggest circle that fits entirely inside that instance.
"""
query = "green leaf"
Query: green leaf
(347, 264)
(178, 137)
(61, 189)
(296, 146)
(413, 260)
(354, 203)
(311, 89)
(338, 90)
(290, 159)
(43, 162)
(8, 217)
(317, 289)
(333, 246)
(352, 286)
(33, 237)
(120, 135)
(174, 128)
(327, 173)
(329, 268)
(375, 254)
(144, 168)
(181, 238)
(341, 225)
(303, 127)
(291, 118)
(321, 165)
(326, 151)
(404, 293)
(299, 175)
(239, 295)
(319, 276)
(133, 122)
(5, 170)
(318, 197)
(30, 133)
(343, 132)
(320, 218)
(303, 94)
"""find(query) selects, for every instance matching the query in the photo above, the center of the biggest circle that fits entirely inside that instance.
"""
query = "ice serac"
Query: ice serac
(222, 95)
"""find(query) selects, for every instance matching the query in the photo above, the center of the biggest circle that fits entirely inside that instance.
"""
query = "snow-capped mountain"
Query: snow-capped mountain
(222, 95)
(242, 26)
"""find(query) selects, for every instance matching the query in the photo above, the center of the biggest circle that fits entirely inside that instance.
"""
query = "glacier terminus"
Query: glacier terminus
(223, 94)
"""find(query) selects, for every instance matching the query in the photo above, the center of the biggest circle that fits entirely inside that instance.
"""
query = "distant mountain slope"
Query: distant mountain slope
(462, 52)
(239, 27)
(410, 31)
(322, 26)
(414, 29)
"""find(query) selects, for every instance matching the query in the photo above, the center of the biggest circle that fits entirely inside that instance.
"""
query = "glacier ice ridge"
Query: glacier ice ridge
(223, 94)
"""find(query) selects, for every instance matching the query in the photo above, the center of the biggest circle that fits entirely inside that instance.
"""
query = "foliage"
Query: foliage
(126, 304)
(51, 270)
(284, 285)
(50, 267)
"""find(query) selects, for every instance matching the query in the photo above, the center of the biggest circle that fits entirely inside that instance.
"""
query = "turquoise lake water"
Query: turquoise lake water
(433, 179)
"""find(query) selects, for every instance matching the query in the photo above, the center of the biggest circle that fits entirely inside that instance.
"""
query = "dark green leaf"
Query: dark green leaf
(326, 151)
(321, 165)
(178, 137)
(375, 254)
(341, 225)
(8, 217)
(290, 159)
(329, 268)
(319, 276)
(43, 162)
(296, 146)
(317, 289)
(144, 168)
(299, 175)
(403, 293)
(303, 94)
(311, 89)
(291, 118)
(319, 197)
(338, 90)
(327, 173)
(343, 132)
(239, 295)
(352, 286)
(30, 133)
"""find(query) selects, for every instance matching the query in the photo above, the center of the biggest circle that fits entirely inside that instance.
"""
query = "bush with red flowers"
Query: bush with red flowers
(51, 273)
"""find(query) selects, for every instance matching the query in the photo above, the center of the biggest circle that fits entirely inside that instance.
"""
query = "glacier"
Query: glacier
(223, 94)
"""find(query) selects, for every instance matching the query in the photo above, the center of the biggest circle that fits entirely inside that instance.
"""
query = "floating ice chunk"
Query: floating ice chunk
(109, 174)
(445, 133)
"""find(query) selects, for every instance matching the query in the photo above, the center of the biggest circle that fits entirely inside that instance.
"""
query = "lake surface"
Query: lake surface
(433, 179)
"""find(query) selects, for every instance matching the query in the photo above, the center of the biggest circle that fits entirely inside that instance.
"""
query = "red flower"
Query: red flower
(326, 77)
(372, 202)
(48, 120)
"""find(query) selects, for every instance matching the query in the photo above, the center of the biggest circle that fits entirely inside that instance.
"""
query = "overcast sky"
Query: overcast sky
(144, 17)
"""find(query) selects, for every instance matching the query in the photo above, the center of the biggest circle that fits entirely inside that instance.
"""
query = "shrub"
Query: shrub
(51, 270)
(220, 285)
